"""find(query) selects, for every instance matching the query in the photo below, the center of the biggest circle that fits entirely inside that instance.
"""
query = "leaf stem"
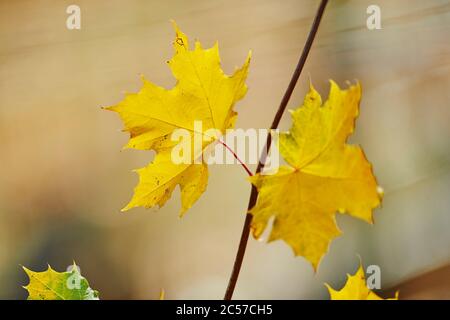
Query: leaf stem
(282, 107)
(237, 158)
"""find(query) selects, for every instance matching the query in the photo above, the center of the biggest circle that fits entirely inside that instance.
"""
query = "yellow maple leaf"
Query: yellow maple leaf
(202, 93)
(356, 289)
(53, 285)
(324, 175)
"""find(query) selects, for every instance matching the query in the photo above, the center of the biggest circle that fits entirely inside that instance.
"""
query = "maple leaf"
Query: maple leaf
(202, 93)
(52, 285)
(324, 175)
(356, 289)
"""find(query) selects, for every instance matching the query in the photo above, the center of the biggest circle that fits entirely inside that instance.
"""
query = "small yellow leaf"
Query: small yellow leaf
(324, 175)
(356, 289)
(202, 93)
(53, 285)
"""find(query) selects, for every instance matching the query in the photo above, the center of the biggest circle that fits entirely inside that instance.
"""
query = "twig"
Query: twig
(254, 193)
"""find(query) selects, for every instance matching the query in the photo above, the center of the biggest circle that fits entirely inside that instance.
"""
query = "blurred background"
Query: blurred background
(64, 178)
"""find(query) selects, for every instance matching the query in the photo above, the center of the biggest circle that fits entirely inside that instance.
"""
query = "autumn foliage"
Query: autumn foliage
(324, 174)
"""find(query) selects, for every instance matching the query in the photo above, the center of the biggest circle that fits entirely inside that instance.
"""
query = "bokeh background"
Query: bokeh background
(64, 178)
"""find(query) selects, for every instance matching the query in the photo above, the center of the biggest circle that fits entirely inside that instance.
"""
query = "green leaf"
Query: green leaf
(53, 285)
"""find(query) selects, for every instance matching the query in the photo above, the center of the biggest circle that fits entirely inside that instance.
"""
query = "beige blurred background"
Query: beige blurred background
(64, 178)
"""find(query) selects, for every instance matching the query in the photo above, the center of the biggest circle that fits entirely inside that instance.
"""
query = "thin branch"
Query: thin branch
(282, 107)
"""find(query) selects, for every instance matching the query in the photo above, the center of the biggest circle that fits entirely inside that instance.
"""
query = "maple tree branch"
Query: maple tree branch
(237, 158)
(276, 120)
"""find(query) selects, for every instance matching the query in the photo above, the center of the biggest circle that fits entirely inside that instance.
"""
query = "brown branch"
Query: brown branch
(282, 107)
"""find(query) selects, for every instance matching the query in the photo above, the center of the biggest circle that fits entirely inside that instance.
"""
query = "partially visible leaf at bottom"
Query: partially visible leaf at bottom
(53, 285)
(356, 289)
